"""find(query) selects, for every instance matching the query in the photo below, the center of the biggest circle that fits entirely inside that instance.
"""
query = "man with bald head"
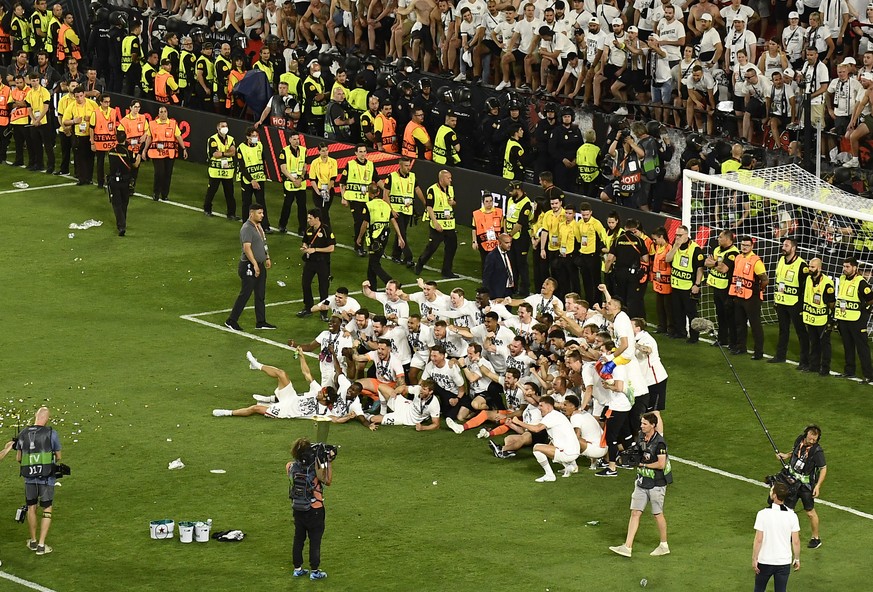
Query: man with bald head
(39, 450)
(819, 298)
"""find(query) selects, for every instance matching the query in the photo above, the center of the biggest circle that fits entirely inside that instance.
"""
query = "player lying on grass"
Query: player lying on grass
(423, 406)
(285, 403)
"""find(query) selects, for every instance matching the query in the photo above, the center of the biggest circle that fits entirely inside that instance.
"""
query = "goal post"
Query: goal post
(773, 204)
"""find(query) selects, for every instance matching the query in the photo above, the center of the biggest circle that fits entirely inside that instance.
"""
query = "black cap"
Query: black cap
(513, 185)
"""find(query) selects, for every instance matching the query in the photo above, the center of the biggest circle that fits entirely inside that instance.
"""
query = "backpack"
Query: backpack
(302, 488)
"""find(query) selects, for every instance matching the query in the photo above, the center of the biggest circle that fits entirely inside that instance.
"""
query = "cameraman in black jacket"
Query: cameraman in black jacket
(807, 465)
(39, 451)
(309, 522)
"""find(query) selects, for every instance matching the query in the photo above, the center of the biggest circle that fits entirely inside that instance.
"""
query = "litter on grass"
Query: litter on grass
(176, 464)
(20, 185)
(85, 225)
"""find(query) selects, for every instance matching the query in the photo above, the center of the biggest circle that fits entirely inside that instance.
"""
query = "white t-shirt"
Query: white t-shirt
(735, 41)
(818, 38)
(399, 344)
(653, 370)
(501, 340)
(543, 305)
(593, 43)
(527, 30)
(456, 346)
(329, 342)
(760, 90)
(291, 405)
(780, 99)
(815, 77)
(389, 370)
(531, 415)
(514, 397)
(440, 303)
(480, 386)
(522, 363)
(490, 22)
(729, 15)
(792, 41)
(708, 42)
(671, 32)
(646, 8)
(561, 432)
(251, 11)
(400, 308)
(448, 377)
(617, 56)
(504, 30)
(423, 410)
(343, 405)
(777, 526)
(463, 316)
(350, 308)
(365, 334)
(845, 95)
(588, 427)
(703, 86)
(617, 401)
(605, 13)
(421, 340)
(477, 7)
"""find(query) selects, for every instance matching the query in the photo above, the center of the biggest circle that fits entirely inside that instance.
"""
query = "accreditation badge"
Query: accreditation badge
(683, 261)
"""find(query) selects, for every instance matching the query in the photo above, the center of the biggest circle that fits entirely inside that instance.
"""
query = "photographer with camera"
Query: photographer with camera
(39, 451)
(309, 472)
(649, 453)
(807, 466)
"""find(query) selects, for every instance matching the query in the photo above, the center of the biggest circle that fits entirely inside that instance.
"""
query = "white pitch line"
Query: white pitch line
(244, 334)
(23, 582)
(761, 484)
(36, 188)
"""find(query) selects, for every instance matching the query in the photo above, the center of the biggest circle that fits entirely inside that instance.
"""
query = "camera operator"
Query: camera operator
(807, 465)
(653, 476)
(39, 450)
(308, 521)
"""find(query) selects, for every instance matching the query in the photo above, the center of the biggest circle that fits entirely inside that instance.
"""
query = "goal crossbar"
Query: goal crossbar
(808, 191)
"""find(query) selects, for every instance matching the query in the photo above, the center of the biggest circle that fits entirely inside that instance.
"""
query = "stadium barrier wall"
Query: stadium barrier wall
(197, 126)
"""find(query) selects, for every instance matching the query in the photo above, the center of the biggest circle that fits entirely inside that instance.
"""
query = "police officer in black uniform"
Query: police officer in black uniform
(489, 151)
(543, 135)
(564, 142)
(122, 164)
(318, 243)
(627, 258)
(467, 126)
(404, 105)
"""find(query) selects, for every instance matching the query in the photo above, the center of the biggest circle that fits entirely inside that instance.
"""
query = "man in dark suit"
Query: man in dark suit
(498, 274)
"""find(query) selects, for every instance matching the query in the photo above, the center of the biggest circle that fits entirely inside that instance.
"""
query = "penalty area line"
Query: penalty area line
(5, 191)
(23, 582)
(709, 469)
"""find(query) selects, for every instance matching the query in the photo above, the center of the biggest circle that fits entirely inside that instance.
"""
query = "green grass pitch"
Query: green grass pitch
(92, 328)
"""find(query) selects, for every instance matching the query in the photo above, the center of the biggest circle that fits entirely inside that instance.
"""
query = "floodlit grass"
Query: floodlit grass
(92, 328)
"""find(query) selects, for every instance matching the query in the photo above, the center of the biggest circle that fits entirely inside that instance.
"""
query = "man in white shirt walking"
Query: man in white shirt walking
(777, 532)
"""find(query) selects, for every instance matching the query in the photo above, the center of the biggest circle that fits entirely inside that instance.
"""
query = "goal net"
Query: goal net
(770, 205)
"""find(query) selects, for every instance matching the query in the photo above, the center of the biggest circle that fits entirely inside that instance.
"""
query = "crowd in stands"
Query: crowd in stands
(738, 70)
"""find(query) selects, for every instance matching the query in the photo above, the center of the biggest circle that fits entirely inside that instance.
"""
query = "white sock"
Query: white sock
(383, 407)
(570, 467)
(253, 362)
(544, 463)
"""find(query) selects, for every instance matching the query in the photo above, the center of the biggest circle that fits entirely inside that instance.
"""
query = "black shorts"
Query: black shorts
(683, 92)
(780, 11)
(804, 494)
(39, 492)
(634, 79)
(301, 8)
(756, 108)
(610, 72)
(493, 48)
(657, 396)
(644, 35)
(541, 437)
(492, 397)
(519, 56)
(739, 103)
(841, 124)
(424, 36)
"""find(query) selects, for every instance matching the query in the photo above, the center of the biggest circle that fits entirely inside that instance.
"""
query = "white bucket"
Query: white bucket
(186, 532)
(162, 529)
(201, 532)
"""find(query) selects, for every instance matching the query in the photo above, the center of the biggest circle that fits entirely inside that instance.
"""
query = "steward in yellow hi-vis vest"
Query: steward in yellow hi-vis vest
(403, 190)
(440, 203)
(221, 159)
(854, 298)
(374, 234)
(686, 274)
(355, 180)
(720, 264)
(292, 164)
(819, 297)
(251, 173)
(791, 272)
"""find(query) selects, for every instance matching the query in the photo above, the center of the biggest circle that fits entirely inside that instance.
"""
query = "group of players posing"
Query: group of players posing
(561, 377)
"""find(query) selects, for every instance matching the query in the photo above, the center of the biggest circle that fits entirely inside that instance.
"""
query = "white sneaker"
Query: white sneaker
(221, 413)
(621, 111)
(546, 479)
(460, 77)
(483, 433)
(311, 47)
(253, 362)
(454, 426)
(265, 399)
(662, 549)
(570, 470)
(852, 163)
(502, 85)
(622, 550)
(324, 48)
(148, 12)
(201, 21)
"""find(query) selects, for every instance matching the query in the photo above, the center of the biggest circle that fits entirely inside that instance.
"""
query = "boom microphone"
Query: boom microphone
(706, 326)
